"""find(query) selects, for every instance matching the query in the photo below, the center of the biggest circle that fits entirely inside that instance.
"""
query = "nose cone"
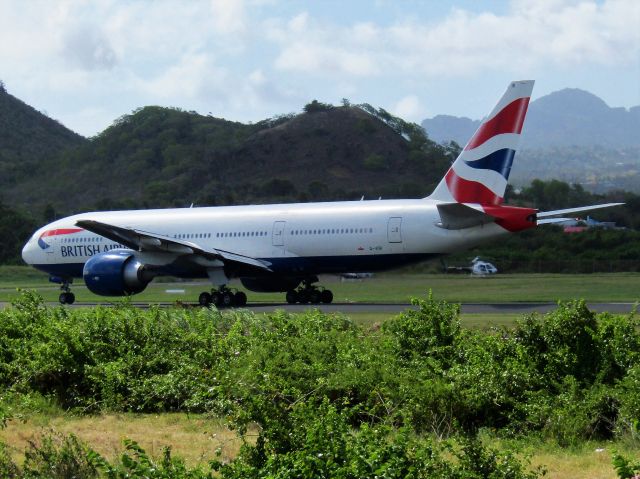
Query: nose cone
(27, 252)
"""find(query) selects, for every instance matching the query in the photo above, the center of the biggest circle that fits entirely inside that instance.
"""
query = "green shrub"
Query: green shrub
(563, 342)
(569, 375)
(8, 468)
(56, 456)
(321, 443)
(431, 331)
(626, 468)
(628, 394)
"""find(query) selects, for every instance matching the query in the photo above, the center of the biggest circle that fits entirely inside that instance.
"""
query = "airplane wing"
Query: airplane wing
(145, 241)
(549, 217)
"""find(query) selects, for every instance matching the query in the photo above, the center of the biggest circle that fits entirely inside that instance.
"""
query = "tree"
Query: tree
(316, 106)
(15, 228)
(49, 213)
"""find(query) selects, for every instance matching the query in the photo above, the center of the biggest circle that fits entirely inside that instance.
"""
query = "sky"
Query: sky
(86, 63)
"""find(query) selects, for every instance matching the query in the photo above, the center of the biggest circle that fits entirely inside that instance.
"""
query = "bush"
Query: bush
(432, 331)
(321, 443)
(57, 456)
(64, 457)
(626, 468)
(568, 375)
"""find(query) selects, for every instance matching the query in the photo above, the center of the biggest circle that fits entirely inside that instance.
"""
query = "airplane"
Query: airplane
(284, 247)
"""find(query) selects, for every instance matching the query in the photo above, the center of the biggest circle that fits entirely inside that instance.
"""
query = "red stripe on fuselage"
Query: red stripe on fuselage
(465, 191)
(509, 120)
(61, 231)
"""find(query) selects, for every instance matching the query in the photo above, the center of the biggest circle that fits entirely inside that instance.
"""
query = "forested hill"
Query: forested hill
(28, 140)
(159, 157)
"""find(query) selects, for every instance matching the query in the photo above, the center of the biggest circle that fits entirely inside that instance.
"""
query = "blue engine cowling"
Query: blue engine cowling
(115, 273)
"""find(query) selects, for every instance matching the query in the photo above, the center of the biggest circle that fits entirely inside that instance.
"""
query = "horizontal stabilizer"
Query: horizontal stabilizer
(549, 221)
(567, 211)
(457, 216)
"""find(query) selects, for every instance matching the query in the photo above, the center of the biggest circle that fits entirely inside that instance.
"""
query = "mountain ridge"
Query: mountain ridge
(564, 118)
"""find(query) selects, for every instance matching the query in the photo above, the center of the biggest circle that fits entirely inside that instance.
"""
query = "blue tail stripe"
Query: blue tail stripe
(499, 161)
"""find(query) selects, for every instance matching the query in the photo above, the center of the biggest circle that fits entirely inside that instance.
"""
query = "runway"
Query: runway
(391, 308)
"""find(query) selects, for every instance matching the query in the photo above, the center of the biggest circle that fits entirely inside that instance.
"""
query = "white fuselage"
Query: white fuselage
(307, 238)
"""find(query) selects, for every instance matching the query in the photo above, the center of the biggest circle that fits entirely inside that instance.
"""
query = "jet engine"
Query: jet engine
(115, 273)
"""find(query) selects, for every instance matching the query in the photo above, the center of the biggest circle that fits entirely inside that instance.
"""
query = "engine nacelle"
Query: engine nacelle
(269, 284)
(115, 273)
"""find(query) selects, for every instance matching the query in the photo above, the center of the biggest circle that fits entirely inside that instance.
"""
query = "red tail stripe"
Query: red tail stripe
(465, 191)
(62, 231)
(509, 120)
(513, 218)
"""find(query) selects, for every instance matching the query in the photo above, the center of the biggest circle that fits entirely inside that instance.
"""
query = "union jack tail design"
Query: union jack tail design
(480, 173)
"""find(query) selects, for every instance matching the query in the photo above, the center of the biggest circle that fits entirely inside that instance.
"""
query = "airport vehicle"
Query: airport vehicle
(284, 247)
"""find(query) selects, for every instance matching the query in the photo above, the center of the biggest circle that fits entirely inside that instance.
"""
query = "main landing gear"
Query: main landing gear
(222, 298)
(66, 296)
(308, 293)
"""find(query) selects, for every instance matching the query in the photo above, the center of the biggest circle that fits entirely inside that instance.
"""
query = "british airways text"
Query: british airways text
(87, 249)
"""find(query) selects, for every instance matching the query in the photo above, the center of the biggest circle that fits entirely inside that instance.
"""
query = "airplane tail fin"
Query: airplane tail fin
(480, 173)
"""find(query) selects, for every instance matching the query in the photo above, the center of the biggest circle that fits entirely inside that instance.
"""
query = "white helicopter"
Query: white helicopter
(477, 267)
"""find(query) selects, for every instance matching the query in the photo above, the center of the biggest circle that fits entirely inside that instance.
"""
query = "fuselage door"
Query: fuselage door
(278, 233)
(394, 230)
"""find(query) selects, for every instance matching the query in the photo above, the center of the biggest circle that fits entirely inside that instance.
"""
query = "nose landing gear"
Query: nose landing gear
(66, 296)
(222, 298)
(309, 293)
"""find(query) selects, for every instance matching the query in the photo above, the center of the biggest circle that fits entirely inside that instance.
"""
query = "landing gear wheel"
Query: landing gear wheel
(216, 298)
(240, 299)
(326, 296)
(314, 296)
(292, 297)
(227, 299)
(204, 299)
(66, 298)
(303, 296)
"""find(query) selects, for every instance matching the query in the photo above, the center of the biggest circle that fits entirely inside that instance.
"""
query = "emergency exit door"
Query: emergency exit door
(278, 233)
(394, 230)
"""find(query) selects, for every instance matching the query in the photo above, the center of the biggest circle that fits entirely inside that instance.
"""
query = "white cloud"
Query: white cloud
(246, 58)
(88, 48)
(228, 16)
(409, 108)
(531, 34)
